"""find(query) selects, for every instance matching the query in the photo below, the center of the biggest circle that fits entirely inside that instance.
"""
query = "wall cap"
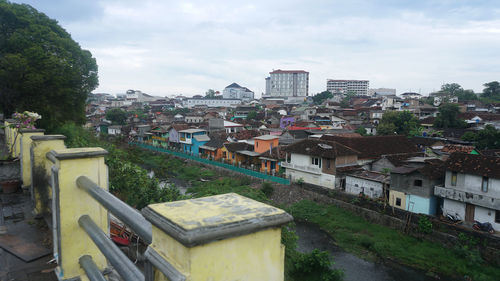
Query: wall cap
(32, 130)
(76, 153)
(203, 220)
(48, 137)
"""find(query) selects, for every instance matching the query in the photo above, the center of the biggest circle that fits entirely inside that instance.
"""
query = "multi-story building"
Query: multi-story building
(235, 91)
(472, 188)
(360, 87)
(317, 161)
(288, 84)
(382, 92)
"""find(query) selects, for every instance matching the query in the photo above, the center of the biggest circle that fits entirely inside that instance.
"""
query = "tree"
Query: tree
(117, 116)
(42, 68)
(252, 115)
(448, 117)
(492, 91)
(321, 97)
(454, 89)
(210, 94)
(397, 122)
(488, 138)
(361, 130)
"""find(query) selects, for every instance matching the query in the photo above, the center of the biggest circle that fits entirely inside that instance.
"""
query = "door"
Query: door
(469, 212)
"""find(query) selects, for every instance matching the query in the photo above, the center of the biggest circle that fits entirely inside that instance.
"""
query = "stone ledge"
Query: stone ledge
(76, 153)
(203, 220)
(48, 137)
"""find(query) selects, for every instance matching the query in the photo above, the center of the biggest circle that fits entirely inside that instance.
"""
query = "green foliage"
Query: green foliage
(76, 136)
(300, 181)
(487, 138)
(210, 94)
(117, 116)
(226, 185)
(454, 89)
(361, 130)
(448, 117)
(312, 266)
(267, 188)
(42, 68)
(467, 247)
(252, 115)
(353, 233)
(397, 122)
(424, 225)
(321, 97)
(492, 91)
(315, 266)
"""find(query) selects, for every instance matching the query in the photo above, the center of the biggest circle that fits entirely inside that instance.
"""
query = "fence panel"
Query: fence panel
(237, 169)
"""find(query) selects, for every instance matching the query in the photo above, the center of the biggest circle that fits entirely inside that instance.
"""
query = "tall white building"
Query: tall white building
(235, 91)
(287, 84)
(360, 87)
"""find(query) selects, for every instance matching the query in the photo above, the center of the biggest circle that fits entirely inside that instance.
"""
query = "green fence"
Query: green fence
(216, 163)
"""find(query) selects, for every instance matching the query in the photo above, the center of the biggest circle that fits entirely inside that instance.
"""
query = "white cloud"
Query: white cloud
(170, 47)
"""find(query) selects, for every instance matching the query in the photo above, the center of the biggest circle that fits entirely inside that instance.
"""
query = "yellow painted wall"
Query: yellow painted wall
(393, 195)
(25, 157)
(256, 256)
(43, 165)
(74, 202)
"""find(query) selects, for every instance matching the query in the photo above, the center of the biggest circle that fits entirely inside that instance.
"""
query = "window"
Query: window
(328, 163)
(417, 183)
(398, 202)
(484, 184)
(454, 178)
(288, 157)
(497, 216)
(316, 161)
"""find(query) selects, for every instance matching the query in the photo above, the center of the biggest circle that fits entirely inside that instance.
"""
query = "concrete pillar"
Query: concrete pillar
(69, 203)
(224, 237)
(25, 156)
(41, 191)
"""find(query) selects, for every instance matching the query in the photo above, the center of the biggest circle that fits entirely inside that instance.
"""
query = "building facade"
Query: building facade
(287, 83)
(360, 87)
(192, 102)
(235, 91)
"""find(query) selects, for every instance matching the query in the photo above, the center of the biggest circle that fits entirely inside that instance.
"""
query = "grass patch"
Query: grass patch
(358, 236)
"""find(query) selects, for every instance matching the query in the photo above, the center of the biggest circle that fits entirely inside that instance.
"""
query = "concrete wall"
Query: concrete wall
(452, 207)
(370, 188)
(486, 215)
(421, 205)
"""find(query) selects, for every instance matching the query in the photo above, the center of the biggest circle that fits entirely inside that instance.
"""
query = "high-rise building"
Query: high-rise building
(360, 87)
(287, 84)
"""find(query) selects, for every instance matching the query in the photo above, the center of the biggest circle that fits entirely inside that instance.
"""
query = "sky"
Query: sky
(166, 48)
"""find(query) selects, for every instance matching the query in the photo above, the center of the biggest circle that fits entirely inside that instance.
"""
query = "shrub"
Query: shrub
(424, 225)
(267, 188)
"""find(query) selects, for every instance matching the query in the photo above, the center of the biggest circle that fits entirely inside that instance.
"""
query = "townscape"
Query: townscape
(316, 162)
(422, 163)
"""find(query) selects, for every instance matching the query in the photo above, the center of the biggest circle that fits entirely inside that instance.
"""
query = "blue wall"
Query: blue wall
(421, 205)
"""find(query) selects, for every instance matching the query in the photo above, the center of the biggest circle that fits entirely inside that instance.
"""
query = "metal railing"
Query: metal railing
(137, 223)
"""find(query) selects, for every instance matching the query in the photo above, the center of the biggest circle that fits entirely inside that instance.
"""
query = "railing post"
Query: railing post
(25, 155)
(69, 203)
(224, 237)
(40, 169)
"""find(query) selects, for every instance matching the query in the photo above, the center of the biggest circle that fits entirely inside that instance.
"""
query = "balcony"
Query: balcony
(303, 168)
(185, 140)
(467, 197)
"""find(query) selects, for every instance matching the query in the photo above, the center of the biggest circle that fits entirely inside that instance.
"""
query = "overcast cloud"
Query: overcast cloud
(187, 47)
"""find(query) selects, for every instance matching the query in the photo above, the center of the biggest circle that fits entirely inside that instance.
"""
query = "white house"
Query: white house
(368, 183)
(472, 188)
(317, 161)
